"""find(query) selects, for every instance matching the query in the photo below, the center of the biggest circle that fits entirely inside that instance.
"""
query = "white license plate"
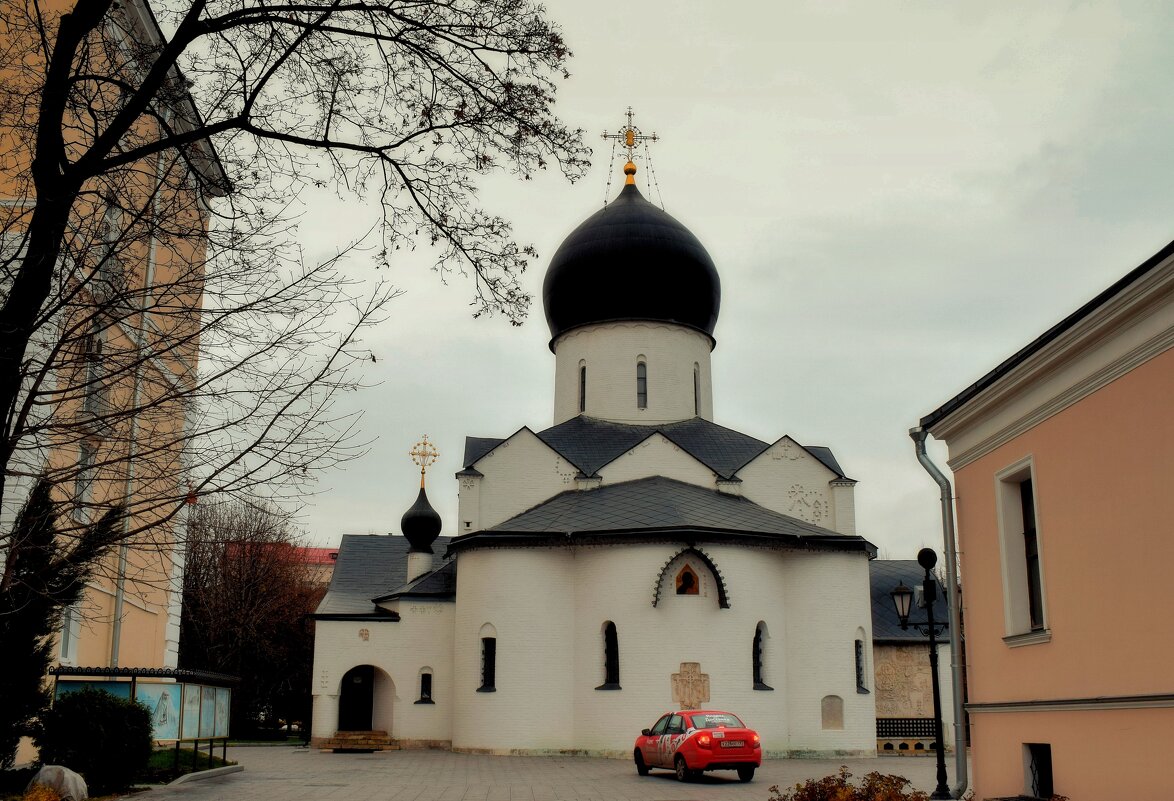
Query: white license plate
(733, 743)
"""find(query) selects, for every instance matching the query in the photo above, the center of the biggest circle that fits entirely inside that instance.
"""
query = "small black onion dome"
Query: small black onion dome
(421, 524)
(631, 261)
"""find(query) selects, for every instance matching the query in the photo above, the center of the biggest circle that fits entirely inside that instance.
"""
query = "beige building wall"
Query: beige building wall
(1088, 419)
(128, 615)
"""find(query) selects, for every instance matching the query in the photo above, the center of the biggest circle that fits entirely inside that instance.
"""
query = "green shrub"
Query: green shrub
(105, 739)
(873, 787)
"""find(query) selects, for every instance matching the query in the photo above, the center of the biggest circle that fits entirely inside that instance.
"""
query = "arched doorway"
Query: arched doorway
(356, 698)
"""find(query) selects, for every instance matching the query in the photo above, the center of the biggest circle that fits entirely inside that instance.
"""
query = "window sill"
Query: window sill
(486, 689)
(758, 685)
(1028, 638)
(609, 686)
(425, 701)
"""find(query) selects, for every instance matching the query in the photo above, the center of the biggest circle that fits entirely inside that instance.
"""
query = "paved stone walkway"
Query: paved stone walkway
(298, 774)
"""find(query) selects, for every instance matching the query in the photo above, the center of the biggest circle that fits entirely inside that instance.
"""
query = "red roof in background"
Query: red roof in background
(318, 556)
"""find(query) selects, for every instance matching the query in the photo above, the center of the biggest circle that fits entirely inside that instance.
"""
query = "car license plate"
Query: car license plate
(733, 743)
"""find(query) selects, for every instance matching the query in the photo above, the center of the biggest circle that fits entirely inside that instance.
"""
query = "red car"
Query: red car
(695, 740)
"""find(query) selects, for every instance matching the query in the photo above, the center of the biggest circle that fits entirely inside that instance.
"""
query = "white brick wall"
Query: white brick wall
(519, 473)
(422, 638)
(548, 607)
(788, 479)
(611, 350)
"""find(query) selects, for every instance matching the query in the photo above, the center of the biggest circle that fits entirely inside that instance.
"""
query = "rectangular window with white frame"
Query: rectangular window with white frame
(1020, 554)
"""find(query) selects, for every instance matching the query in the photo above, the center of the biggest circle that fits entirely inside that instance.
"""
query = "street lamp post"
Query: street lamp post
(903, 600)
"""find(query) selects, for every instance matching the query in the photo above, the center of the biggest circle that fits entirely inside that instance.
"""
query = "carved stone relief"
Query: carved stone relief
(807, 504)
(903, 686)
(787, 450)
(690, 686)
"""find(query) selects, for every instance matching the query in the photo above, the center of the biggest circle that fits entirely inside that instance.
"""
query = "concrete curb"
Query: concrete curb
(206, 774)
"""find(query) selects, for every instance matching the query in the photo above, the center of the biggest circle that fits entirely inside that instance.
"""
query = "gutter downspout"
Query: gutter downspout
(918, 436)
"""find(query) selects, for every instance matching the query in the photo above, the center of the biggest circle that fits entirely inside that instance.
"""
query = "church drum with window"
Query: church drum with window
(633, 557)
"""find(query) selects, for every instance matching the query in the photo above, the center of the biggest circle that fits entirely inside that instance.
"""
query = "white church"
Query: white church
(632, 558)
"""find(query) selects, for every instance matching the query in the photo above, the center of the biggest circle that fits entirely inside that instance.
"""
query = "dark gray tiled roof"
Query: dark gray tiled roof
(824, 454)
(884, 575)
(369, 566)
(657, 503)
(440, 584)
(589, 444)
(476, 447)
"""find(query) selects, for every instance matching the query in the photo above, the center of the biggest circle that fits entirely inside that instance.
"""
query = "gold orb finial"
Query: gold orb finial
(630, 171)
(424, 454)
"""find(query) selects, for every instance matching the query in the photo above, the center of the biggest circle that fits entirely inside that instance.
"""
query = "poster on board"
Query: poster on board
(162, 700)
(191, 711)
(119, 689)
(223, 698)
(207, 711)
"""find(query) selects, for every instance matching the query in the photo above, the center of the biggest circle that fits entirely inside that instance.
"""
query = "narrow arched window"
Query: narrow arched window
(611, 658)
(488, 659)
(861, 663)
(757, 658)
(488, 665)
(425, 686)
(696, 389)
(641, 385)
(582, 388)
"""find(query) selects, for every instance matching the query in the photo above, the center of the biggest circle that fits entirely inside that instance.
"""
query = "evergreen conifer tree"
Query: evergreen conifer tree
(48, 574)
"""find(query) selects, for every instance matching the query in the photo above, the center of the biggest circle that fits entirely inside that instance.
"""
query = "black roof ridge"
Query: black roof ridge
(1045, 339)
(682, 534)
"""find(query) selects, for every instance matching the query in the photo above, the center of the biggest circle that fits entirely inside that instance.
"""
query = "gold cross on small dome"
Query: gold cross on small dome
(424, 454)
(630, 137)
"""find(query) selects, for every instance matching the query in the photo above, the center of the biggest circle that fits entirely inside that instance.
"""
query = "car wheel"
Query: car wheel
(746, 773)
(683, 772)
(641, 768)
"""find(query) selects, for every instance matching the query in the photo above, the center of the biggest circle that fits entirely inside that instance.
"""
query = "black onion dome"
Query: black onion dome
(631, 261)
(421, 524)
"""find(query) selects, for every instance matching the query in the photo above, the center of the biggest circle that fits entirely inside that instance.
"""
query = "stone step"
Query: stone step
(358, 741)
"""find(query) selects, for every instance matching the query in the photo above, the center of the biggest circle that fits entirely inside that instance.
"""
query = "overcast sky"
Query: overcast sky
(897, 196)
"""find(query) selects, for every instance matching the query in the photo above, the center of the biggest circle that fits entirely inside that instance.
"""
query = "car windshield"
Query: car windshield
(716, 720)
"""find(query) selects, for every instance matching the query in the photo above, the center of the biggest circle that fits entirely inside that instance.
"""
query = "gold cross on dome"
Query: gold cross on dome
(630, 137)
(424, 454)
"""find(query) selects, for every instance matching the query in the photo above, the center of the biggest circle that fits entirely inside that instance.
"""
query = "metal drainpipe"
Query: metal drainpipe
(918, 435)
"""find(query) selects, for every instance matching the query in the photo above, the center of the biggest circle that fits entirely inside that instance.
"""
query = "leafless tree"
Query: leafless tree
(247, 591)
(159, 328)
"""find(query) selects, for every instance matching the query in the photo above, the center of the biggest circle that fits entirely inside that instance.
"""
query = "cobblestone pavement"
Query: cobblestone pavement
(298, 774)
